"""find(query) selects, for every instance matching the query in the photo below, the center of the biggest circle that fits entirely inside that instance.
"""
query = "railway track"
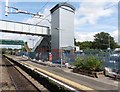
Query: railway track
(20, 82)
(52, 82)
(49, 83)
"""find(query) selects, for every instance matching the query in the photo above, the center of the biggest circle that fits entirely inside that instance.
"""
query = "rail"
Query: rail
(58, 82)
(20, 82)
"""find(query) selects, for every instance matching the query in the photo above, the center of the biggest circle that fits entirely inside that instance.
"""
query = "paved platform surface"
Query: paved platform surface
(102, 83)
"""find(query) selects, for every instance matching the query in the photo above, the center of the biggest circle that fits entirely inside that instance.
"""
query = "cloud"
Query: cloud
(91, 11)
(88, 12)
(28, 38)
(84, 36)
(35, 21)
(89, 36)
(115, 35)
(40, 21)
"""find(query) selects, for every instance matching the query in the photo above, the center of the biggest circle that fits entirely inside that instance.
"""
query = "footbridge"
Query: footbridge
(28, 29)
(23, 28)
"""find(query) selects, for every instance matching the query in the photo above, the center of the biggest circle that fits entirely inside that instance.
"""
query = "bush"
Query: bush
(88, 63)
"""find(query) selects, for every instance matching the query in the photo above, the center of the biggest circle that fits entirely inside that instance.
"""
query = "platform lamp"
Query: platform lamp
(61, 61)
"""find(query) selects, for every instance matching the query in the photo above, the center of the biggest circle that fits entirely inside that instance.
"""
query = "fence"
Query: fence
(110, 58)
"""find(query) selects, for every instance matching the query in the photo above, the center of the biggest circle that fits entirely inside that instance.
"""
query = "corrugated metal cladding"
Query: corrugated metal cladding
(62, 27)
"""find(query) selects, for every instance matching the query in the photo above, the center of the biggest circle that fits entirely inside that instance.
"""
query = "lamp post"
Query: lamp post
(108, 48)
(109, 41)
(61, 46)
(61, 58)
(115, 65)
(115, 69)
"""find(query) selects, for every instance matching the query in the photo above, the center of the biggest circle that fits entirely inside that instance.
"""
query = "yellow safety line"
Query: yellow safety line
(64, 80)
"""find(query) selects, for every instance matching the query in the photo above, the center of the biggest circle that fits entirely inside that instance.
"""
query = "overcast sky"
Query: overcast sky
(91, 17)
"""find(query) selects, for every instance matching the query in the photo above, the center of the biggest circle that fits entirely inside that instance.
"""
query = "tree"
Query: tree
(85, 45)
(103, 41)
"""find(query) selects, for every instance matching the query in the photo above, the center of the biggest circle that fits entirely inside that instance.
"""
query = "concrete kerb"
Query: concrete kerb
(66, 81)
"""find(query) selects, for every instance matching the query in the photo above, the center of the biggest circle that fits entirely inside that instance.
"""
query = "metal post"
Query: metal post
(61, 47)
(33, 42)
(6, 8)
(108, 47)
(60, 43)
(115, 69)
(109, 40)
(61, 58)
(115, 65)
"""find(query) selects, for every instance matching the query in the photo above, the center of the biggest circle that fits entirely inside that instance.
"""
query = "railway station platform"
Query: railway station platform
(65, 74)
